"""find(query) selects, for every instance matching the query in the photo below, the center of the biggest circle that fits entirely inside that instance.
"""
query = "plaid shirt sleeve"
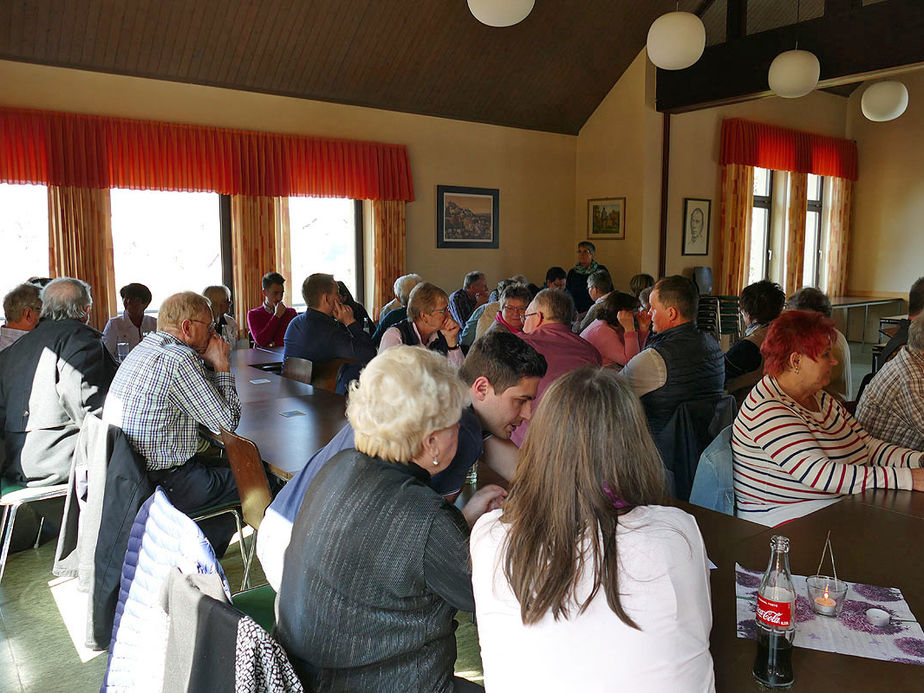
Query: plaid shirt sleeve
(207, 397)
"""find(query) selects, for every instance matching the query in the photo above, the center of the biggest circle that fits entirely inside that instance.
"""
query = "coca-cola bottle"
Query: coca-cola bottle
(776, 619)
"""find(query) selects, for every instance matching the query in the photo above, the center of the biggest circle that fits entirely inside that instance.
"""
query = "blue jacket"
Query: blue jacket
(315, 336)
(714, 483)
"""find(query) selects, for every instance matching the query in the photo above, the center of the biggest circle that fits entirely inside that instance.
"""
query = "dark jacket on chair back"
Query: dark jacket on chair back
(695, 370)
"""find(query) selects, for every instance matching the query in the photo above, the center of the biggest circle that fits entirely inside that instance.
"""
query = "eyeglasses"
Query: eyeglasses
(518, 311)
(443, 311)
(203, 322)
(529, 315)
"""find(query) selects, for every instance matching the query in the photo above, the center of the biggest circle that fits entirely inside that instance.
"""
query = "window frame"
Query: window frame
(817, 206)
(765, 202)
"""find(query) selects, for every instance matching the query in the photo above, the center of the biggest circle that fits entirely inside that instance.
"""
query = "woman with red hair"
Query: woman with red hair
(795, 448)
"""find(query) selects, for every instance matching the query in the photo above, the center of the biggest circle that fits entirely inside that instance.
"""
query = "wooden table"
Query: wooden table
(848, 302)
(258, 356)
(877, 539)
(255, 385)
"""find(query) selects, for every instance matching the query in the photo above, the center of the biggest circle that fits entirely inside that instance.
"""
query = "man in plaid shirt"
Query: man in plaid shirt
(160, 395)
(891, 406)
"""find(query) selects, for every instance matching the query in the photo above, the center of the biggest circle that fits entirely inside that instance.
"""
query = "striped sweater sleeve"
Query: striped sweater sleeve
(834, 457)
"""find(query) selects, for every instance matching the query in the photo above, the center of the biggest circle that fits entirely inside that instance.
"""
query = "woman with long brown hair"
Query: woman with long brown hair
(582, 581)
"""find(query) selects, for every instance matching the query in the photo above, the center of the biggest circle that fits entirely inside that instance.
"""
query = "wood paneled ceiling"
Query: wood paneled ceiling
(422, 56)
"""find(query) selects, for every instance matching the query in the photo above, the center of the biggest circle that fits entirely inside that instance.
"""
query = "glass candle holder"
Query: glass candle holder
(826, 594)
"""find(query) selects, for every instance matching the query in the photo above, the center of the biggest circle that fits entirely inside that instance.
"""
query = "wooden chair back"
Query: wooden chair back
(249, 475)
(325, 373)
(297, 369)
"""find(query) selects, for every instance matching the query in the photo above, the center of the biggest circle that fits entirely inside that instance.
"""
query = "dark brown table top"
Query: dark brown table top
(258, 356)
(254, 385)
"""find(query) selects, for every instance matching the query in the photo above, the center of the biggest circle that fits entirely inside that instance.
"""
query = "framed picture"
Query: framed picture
(466, 217)
(696, 226)
(606, 218)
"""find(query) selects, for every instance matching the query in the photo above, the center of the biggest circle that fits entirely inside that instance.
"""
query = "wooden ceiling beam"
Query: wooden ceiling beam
(864, 41)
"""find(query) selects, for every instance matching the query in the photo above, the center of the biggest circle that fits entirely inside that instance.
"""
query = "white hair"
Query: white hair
(404, 285)
(429, 390)
(66, 298)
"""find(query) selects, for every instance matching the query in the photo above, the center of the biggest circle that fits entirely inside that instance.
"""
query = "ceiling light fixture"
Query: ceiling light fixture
(501, 13)
(794, 73)
(676, 40)
(884, 101)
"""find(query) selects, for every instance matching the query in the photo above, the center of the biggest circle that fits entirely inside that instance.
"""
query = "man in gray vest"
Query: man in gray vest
(680, 363)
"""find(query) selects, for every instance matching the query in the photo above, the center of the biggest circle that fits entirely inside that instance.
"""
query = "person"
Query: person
(378, 563)
(482, 317)
(810, 298)
(761, 303)
(474, 293)
(403, 287)
(583, 566)
(133, 324)
(640, 282)
(428, 324)
(328, 330)
(22, 308)
(679, 363)
(51, 378)
(547, 328)
(576, 281)
(644, 298)
(513, 303)
(161, 395)
(498, 290)
(915, 308)
(795, 449)
(359, 310)
(502, 373)
(599, 286)
(613, 331)
(892, 404)
(555, 278)
(219, 296)
(268, 322)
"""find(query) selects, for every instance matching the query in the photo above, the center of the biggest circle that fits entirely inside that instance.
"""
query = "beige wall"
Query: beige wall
(887, 243)
(534, 171)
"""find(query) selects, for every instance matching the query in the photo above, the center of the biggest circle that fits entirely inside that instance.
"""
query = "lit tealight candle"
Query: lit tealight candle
(825, 605)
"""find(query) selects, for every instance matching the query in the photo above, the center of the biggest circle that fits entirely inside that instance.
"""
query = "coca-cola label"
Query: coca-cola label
(772, 613)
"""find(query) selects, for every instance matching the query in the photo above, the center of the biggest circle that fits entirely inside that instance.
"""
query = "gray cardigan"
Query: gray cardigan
(377, 567)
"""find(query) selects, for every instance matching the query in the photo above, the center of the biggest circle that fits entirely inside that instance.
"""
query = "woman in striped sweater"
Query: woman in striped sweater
(795, 448)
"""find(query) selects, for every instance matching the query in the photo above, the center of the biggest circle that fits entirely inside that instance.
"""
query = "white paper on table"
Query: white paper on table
(260, 381)
(902, 640)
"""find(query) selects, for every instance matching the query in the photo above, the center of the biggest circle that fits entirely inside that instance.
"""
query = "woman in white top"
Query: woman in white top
(582, 582)
(133, 324)
(225, 325)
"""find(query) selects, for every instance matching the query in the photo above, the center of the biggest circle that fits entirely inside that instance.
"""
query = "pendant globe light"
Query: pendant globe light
(884, 101)
(676, 40)
(794, 73)
(501, 13)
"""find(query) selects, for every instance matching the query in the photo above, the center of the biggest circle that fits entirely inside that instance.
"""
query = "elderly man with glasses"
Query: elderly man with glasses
(175, 380)
(429, 324)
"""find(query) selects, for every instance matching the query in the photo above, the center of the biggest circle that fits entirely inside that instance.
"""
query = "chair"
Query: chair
(297, 369)
(258, 603)
(326, 372)
(252, 486)
(12, 497)
(714, 482)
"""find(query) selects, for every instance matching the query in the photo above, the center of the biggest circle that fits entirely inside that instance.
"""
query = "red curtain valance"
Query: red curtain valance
(98, 152)
(769, 146)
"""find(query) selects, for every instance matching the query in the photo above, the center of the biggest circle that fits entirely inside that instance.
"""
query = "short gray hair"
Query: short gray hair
(916, 334)
(66, 298)
(431, 393)
(22, 297)
(472, 278)
(555, 306)
(404, 285)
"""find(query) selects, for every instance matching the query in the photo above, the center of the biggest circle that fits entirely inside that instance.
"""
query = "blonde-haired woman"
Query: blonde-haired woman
(225, 325)
(378, 563)
(584, 582)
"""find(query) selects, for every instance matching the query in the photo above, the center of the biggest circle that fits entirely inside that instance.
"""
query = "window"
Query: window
(326, 236)
(761, 252)
(24, 234)
(169, 241)
(811, 265)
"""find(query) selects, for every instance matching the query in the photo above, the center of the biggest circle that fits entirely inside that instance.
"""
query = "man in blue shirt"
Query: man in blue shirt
(327, 330)
(502, 372)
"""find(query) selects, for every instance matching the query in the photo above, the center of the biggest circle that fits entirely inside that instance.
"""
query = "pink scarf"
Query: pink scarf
(500, 318)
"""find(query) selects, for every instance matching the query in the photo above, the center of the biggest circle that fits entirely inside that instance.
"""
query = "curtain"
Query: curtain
(735, 228)
(80, 244)
(771, 146)
(796, 209)
(389, 252)
(259, 244)
(835, 270)
(98, 152)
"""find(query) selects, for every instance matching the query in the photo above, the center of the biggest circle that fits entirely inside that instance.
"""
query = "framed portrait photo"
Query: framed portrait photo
(696, 226)
(466, 217)
(606, 218)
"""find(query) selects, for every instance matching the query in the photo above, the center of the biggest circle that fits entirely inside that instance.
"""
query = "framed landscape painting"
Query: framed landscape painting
(466, 217)
(606, 218)
(696, 226)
